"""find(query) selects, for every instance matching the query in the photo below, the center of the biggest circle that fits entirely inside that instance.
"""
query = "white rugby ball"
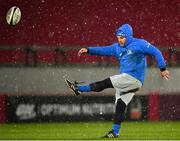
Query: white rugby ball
(13, 15)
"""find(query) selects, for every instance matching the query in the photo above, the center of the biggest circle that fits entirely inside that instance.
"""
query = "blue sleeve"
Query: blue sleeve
(147, 48)
(102, 50)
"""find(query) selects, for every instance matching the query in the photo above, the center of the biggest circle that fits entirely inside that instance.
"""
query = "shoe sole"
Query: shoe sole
(70, 87)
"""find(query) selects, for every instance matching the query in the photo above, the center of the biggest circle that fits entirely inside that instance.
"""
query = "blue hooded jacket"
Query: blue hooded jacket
(131, 56)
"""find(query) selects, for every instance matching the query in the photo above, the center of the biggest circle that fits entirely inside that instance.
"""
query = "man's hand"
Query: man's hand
(82, 51)
(165, 74)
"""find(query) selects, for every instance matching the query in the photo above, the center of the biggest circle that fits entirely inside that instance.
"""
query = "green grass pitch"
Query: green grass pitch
(90, 131)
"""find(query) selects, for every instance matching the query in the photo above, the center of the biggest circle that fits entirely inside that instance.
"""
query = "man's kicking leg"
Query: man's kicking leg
(96, 86)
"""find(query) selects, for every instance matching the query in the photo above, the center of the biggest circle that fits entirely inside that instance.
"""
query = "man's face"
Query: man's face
(121, 40)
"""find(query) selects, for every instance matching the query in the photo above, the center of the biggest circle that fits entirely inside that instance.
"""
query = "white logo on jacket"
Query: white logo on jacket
(129, 52)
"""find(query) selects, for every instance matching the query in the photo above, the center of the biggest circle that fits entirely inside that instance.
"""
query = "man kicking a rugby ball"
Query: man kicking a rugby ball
(131, 55)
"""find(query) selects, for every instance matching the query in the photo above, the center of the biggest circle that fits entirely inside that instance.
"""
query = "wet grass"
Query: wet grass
(90, 131)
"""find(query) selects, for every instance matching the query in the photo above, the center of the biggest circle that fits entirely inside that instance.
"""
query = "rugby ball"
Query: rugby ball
(13, 15)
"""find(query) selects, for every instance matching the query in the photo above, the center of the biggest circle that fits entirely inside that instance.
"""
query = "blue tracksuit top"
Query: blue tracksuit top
(131, 56)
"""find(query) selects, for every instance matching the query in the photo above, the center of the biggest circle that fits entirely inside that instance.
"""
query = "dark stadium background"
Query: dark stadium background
(77, 22)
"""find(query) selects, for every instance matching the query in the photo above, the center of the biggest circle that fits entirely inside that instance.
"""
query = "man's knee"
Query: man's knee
(101, 85)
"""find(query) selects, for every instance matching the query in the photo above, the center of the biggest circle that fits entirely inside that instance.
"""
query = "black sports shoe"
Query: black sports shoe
(110, 134)
(73, 86)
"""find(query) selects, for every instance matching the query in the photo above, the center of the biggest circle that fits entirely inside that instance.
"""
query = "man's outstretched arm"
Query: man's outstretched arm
(101, 51)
